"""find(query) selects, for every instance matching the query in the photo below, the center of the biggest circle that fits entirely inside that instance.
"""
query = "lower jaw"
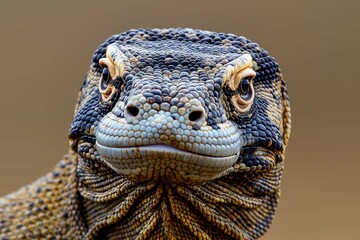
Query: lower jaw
(160, 162)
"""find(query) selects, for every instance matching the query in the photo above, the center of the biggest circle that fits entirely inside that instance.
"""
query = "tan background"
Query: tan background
(45, 50)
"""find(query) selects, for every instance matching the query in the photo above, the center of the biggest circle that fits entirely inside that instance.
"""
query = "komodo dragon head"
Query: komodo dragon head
(181, 134)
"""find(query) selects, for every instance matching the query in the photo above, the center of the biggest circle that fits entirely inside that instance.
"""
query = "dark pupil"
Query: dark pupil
(244, 86)
(105, 78)
(105, 74)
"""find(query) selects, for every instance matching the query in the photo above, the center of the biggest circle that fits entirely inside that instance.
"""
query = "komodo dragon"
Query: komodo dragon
(177, 134)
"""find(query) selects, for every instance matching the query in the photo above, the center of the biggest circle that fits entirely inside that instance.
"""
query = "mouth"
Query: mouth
(160, 161)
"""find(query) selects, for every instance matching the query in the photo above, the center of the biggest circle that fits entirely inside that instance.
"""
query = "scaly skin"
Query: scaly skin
(177, 134)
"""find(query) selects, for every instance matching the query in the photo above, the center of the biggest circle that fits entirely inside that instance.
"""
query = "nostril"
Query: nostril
(195, 116)
(132, 111)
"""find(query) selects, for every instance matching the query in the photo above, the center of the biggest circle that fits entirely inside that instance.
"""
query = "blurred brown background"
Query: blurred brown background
(46, 47)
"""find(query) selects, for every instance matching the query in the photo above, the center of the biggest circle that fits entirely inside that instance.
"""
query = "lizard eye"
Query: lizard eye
(242, 85)
(244, 88)
(105, 78)
(106, 87)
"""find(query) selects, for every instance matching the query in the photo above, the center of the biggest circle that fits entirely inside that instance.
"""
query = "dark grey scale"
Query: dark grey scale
(196, 95)
(183, 89)
(174, 101)
(84, 149)
(56, 173)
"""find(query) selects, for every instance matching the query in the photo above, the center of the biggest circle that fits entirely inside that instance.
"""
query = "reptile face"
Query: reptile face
(181, 133)
(171, 125)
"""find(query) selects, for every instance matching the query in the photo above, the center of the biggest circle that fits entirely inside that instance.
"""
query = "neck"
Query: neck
(114, 206)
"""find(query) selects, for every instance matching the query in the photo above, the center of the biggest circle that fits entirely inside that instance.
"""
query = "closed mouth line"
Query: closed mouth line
(164, 148)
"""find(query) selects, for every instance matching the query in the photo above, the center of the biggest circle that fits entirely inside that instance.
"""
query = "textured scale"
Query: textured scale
(165, 148)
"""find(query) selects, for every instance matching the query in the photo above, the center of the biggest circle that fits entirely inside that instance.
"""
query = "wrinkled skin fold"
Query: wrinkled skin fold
(177, 134)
